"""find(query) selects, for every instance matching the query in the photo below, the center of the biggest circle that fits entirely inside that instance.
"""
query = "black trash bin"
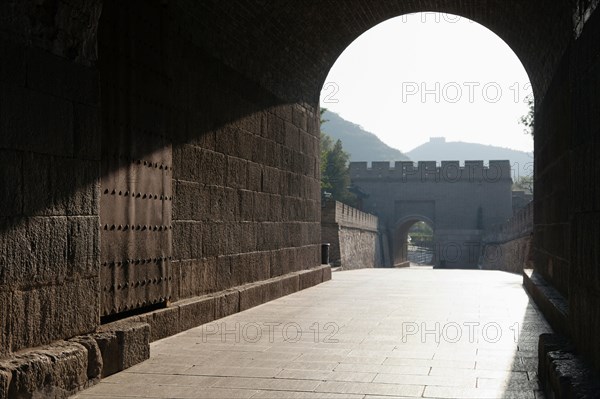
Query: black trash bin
(325, 254)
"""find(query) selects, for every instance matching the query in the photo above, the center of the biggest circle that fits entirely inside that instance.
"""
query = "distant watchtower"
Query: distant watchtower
(457, 201)
(437, 140)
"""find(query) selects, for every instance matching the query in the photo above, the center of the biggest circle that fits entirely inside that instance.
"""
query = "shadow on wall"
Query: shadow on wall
(169, 128)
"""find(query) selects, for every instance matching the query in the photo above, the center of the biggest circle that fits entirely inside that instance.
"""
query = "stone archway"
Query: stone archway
(400, 244)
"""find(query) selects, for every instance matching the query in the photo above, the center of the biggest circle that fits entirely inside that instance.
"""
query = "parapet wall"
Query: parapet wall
(448, 171)
(354, 237)
(347, 216)
(520, 225)
(508, 247)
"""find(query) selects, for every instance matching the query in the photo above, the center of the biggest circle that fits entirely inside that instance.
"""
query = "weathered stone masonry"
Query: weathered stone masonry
(458, 202)
(150, 175)
(508, 246)
(355, 238)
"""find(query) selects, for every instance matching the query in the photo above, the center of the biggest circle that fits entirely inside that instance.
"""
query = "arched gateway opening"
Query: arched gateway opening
(414, 238)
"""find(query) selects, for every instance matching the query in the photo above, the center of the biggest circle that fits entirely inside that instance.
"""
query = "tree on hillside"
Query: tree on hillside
(527, 120)
(524, 183)
(326, 147)
(335, 177)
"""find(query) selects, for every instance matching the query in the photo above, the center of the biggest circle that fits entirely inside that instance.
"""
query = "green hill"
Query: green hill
(360, 144)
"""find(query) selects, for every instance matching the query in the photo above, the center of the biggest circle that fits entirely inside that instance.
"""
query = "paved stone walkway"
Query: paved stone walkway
(383, 333)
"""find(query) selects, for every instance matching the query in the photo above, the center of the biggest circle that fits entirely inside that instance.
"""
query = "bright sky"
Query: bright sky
(431, 75)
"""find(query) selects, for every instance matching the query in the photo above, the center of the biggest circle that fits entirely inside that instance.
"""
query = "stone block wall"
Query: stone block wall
(356, 242)
(246, 175)
(49, 173)
(457, 201)
(581, 195)
(100, 100)
(509, 246)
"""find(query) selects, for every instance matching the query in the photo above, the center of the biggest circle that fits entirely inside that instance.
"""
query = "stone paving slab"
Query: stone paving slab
(375, 333)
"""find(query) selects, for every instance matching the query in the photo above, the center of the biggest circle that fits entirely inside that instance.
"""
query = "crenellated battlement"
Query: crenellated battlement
(447, 171)
(347, 216)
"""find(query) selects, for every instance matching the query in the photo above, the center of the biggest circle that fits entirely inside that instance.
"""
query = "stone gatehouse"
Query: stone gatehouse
(458, 201)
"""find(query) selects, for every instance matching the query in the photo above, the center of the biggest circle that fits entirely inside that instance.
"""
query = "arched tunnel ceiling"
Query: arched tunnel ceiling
(289, 45)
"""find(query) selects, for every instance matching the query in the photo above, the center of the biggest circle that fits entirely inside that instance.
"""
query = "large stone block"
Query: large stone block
(276, 128)
(214, 243)
(247, 205)
(109, 348)
(292, 136)
(260, 149)
(271, 236)
(207, 276)
(300, 117)
(254, 182)
(48, 313)
(227, 141)
(249, 237)
(310, 278)
(164, 323)
(33, 250)
(94, 356)
(193, 313)
(5, 331)
(223, 272)
(197, 277)
(262, 207)
(175, 283)
(191, 201)
(237, 173)
(123, 344)
(252, 122)
(276, 208)
(326, 273)
(284, 286)
(224, 204)
(247, 146)
(54, 371)
(252, 296)
(214, 166)
(187, 163)
(250, 267)
(185, 279)
(57, 186)
(134, 342)
(83, 245)
(227, 304)
(278, 263)
(187, 240)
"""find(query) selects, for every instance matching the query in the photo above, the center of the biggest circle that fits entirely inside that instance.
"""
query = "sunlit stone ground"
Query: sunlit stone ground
(375, 333)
